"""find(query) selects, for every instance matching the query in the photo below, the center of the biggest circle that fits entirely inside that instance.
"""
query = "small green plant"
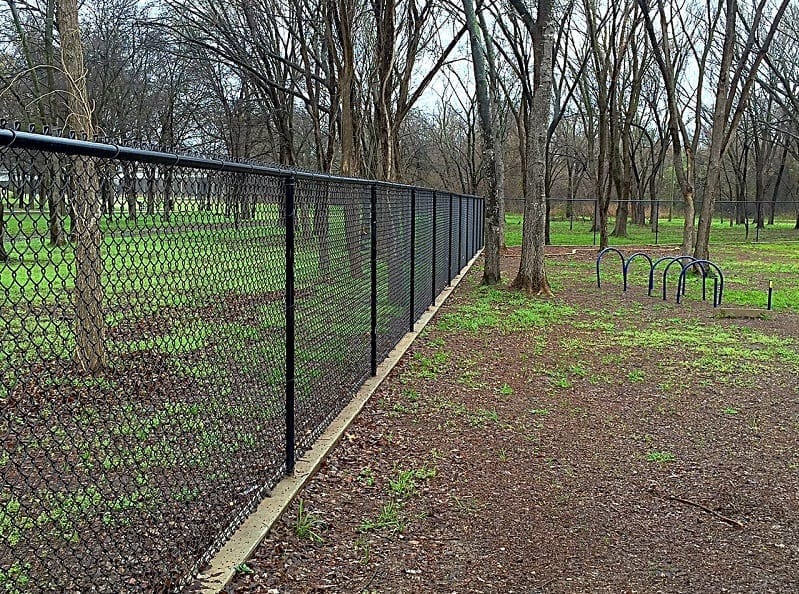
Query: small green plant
(307, 524)
(470, 379)
(505, 390)
(244, 569)
(730, 410)
(388, 518)
(366, 477)
(660, 457)
(578, 370)
(539, 411)
(503, 455)
(558, 379)
(405, 485)
(411, 395)
(481, 416)
(636, 375)
(425, 367)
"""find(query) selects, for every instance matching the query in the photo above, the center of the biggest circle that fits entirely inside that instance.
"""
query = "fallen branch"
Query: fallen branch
(731, 521)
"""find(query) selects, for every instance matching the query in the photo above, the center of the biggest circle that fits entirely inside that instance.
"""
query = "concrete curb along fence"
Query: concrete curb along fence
(244, 542)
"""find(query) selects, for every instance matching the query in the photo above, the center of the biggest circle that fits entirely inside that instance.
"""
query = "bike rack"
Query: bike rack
(599, 257)
(684, 262)
(627, 268)
(671, 260)
(718, 282)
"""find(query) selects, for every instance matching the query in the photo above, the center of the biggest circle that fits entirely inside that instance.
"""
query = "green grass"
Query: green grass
(578, 232)
(660, 457)
(308, 524)
(503, 309)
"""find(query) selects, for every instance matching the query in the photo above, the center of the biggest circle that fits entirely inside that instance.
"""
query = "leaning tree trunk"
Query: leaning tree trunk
(483, 66)
(90, 348)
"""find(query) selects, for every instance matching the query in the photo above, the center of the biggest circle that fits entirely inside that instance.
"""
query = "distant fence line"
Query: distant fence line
(742, 220)
(176, 331)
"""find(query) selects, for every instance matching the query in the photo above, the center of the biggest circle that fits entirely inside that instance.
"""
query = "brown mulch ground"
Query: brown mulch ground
(593, 453)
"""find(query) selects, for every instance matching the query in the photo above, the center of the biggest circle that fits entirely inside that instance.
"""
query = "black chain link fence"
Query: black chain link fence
(176, 331)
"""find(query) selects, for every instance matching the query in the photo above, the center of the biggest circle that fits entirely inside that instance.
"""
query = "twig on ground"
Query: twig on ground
(731, 521)
(369, 581)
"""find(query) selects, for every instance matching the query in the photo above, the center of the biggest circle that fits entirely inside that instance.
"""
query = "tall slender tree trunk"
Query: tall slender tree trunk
(483, 66)
(777, 184)
(90, 351)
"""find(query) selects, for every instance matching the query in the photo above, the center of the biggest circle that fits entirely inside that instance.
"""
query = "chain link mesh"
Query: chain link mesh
(145, 342)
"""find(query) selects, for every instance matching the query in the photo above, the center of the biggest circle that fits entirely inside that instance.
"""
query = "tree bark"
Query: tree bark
(483, 66)
(90, 351)
(532, 278)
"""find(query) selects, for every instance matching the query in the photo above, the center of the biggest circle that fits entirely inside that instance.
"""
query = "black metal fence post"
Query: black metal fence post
(449, 243)
(468, 216)
(474, 226)
(435, 207)
(657, 220)
(483, 224)
(412, 308)
(291, 183)
(373, 274)
(460, 232)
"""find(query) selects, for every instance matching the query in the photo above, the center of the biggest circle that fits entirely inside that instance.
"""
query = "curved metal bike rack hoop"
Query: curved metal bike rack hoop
(623, 265)
(627, 268)
(718, 282)
(671, 261)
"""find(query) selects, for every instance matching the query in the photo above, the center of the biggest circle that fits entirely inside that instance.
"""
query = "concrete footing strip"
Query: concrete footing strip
(246, 539)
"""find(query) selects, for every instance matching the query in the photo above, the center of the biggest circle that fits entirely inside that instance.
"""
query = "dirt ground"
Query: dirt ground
(597, 442)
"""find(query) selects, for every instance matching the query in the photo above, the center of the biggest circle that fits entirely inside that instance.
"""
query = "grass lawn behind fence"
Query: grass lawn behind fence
(578, 232)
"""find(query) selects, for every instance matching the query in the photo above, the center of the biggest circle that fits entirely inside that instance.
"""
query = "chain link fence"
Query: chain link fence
(571, 222)
(176, 330)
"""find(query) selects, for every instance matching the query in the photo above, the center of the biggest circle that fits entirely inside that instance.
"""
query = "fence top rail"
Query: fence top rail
(86, 148)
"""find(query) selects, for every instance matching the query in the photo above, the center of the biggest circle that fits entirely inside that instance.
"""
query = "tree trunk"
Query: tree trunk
(54, 195)
(483, 66)
(3, 252)
(777, 183)
(532, 278)
(129, 177)
(90, 351)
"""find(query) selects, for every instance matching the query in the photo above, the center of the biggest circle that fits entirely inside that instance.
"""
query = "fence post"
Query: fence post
(435, 206)
(657, 219)
(466, 229)
(460, 232)
(373, 274)
(290, 323)
(476, 224)
(412, 307)
(595, 222)
(449, 243)
(483, 223)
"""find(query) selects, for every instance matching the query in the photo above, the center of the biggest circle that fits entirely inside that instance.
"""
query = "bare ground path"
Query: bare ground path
(597, 442)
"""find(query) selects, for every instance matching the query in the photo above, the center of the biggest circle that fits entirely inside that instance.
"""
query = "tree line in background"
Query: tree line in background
(623, 102)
